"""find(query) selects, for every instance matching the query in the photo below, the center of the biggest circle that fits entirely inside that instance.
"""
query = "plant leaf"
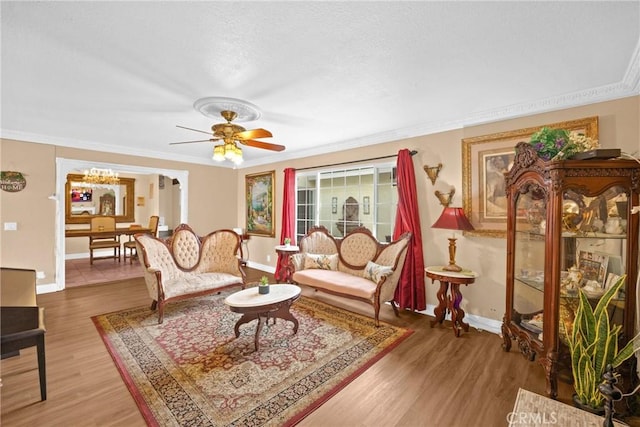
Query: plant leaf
(604, 301)
(626, 352)
(588, 321)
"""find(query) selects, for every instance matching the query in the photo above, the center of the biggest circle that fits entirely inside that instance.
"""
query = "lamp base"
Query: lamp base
(452, 267)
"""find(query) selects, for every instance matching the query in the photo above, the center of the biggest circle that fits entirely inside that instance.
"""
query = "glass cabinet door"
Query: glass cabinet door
(529, 256)
(593, 252)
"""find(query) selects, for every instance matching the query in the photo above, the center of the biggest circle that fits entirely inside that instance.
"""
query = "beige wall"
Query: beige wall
(31, 246)
(619, 123)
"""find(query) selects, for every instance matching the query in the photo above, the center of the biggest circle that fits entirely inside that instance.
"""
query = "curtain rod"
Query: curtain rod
(412, 152)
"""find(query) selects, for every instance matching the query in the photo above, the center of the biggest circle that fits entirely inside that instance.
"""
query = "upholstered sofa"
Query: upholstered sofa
(356, 266)
(186, 265)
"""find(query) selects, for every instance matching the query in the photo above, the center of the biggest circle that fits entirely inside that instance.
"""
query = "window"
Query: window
(344, 199)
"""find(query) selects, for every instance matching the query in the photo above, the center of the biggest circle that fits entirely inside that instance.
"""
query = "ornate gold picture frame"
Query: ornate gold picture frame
(484, 161)
(260, 202)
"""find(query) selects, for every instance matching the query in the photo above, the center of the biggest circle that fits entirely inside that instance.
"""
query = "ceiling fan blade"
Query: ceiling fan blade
(195, 130)
(191, 142)
(253, 133)
(260, 144)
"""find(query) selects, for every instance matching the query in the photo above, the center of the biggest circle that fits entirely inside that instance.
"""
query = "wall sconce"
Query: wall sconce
(433, 172)
(445, 198)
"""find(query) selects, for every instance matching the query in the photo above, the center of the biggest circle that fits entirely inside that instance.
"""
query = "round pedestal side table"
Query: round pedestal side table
(283, 272)
(449, 295)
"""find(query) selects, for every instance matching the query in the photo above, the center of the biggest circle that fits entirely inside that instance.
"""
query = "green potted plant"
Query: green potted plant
(593, 344)
(263, 286)
(559, 144)
(287, 241)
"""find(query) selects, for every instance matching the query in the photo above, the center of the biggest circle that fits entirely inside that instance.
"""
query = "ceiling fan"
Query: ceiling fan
(231, 134)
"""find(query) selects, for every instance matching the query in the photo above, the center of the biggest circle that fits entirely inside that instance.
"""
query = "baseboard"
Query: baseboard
(47, 288)
(78, 256)
(475, 321)
(261, 267)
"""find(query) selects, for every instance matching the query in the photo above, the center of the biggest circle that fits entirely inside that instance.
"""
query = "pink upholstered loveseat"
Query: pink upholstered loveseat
(186, 265)
(356, 266)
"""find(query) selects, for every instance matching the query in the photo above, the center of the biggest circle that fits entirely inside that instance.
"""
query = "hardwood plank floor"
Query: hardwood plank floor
(431, 379)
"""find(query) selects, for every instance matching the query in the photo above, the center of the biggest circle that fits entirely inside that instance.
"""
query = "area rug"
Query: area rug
(192, 371)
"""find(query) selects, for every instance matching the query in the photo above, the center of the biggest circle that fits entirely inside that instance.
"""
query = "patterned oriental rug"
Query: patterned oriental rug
(192, 371)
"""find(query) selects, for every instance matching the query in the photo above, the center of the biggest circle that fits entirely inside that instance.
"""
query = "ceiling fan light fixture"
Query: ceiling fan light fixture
(238, 156)
(218, 153)
(229, 150)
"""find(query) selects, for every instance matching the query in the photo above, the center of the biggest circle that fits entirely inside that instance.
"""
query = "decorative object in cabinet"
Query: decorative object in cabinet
(560, 243)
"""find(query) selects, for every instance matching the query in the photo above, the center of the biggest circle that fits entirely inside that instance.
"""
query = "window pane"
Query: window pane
(349, 198)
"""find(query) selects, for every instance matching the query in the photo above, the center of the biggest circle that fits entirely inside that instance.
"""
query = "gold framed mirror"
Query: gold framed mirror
(82, 202)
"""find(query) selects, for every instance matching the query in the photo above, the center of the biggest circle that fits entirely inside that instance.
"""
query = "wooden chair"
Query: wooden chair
(131, 244)
(22, 321)
(104, 223)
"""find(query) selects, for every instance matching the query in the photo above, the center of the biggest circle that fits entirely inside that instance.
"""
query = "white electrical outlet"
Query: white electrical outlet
(40, 275)
(268, 258)
(10, 226)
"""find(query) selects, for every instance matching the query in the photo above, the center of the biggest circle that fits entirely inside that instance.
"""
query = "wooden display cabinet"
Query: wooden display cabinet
(569, 225)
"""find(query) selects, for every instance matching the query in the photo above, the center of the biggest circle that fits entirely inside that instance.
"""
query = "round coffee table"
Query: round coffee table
(254, 306)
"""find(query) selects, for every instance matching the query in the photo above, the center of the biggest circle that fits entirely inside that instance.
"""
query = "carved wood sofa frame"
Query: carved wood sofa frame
(186, 265)
(354, 251)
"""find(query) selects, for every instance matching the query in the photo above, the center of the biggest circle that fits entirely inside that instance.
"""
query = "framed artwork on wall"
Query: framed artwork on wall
(366, 205)
(260, 201)
(485, 159)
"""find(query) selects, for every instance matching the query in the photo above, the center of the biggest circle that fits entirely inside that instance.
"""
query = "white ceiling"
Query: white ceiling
(119, 76)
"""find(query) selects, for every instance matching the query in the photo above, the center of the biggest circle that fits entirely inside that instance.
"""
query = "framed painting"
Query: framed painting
(366, 205)
(485, 159)
(260, 202)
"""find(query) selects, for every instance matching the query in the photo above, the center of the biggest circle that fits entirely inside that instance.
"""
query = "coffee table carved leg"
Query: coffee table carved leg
(283, 313)
(261, 322)
(441, 310)
(246, 318)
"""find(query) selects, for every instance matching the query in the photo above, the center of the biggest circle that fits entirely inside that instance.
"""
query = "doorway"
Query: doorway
(66, 166)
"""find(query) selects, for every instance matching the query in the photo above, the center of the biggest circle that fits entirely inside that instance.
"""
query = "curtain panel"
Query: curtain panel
(410, 292)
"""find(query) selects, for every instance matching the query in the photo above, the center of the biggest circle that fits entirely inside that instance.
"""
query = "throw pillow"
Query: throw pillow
(321, 261)
(375, 272)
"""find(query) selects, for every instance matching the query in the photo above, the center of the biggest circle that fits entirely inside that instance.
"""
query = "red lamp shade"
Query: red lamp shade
(453, 219)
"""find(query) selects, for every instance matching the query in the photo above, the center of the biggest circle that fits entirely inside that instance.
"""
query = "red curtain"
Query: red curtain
(288, 218)
(410, 292)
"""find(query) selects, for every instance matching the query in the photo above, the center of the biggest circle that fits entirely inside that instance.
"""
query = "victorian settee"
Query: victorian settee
(356, 266)
(186, 265)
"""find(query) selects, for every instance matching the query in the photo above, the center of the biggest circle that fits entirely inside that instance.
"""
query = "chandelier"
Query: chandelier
(97, 176)
(228, 151)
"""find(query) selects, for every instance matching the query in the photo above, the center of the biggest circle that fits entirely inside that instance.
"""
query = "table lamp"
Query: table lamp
(452, 219)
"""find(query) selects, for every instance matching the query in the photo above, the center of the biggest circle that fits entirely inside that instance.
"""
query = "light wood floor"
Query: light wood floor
(431, 379)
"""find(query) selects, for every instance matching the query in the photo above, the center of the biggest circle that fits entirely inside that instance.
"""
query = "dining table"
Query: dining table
(119, 231)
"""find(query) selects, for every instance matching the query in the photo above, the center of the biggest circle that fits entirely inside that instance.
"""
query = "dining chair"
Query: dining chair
(21, 320)
(97, 242)
(131, 244)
